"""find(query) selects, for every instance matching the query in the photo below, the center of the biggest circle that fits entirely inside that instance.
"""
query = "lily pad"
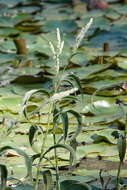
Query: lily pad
(64, 25)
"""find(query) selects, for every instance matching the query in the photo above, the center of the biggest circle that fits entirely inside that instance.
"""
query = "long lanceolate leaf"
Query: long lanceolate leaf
(63, 114)
(27, 159)
(79, 121)
(27, 97)
(121, 144)
(4, 174)
(76, 81)
(65, 121)
(32, 132)
(56, 113)
(73, 80)
(64, 117)
(64, 146)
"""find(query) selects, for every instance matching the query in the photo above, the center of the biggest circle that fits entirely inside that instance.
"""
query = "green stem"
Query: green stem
(42, 148)
(56, 163)
(56, 87)
(118, 175)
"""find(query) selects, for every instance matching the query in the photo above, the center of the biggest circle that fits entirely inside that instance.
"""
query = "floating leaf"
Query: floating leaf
(24, 187)
(99, 138)
(74, 185)
(64, 25)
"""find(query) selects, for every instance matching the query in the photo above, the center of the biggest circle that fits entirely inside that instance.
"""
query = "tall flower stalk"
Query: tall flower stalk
(81, 35)
(56, 51)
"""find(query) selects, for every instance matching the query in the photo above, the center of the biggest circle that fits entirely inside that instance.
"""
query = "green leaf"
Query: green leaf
(121, 144)
(74, 185)
(23, 187)
(4, 174)
(100, 138)
(67, 147)
(76, 80)
(79, 120)
(32, 92)
(64, 146)
(103, 111)
(47, 177)
(27, 159)
(8, 188)
(64, 25)
(64, 117)
(56, 113)
(35, 156)
(122, 64)
(28, 95)
(32, 132)
(79, 58)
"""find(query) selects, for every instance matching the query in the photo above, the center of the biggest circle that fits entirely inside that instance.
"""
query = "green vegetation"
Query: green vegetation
(63, 113)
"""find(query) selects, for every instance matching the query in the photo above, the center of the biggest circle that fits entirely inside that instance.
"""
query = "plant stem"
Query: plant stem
(118, 175)
(42, 148)
(56, 163)
(56, 87)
